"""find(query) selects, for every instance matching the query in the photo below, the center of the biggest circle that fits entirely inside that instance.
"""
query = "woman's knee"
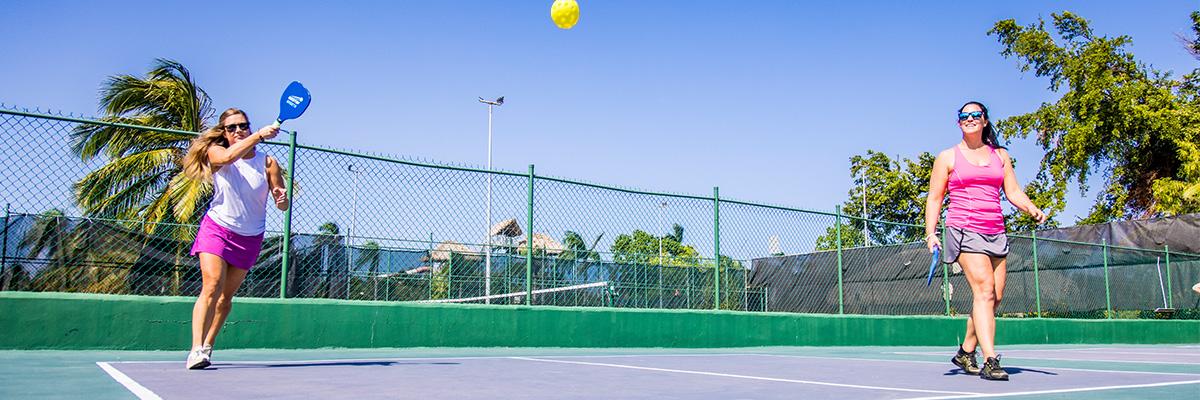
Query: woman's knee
(987, 296)
(210, 289)
(224, 304)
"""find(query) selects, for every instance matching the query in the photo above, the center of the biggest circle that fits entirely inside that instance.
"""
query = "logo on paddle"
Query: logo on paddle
(294, 100)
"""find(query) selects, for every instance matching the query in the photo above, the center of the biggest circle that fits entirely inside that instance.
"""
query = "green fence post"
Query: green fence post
(529, 244)
(430, 267)
(688, 290)
(766, 296)
(1107, 290)
(660, 282)
(1037, 287)
(945, 277)
(717, 248)
(745, 291)
(1170, 298)
(838, 228)
(287, 217)
(4, 251)
(449, 271)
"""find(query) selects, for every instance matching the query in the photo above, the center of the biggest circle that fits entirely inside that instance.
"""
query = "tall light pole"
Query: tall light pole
(350, 228)
(487, 269)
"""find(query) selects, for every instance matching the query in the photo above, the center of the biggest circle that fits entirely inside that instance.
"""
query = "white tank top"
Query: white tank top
(239, 200)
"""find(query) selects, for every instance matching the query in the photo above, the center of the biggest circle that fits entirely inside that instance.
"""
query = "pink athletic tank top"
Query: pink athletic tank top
(974, 194)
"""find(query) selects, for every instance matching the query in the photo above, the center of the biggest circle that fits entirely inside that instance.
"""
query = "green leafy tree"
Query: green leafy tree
(1190, 91)
(851, 237)
(140, 179)
(1118, 120)
(641, 247)
(893, 189)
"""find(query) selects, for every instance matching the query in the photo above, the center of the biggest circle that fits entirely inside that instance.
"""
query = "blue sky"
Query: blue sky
(766, 99)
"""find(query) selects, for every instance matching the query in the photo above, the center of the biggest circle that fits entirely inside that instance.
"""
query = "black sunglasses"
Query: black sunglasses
(231, 128)
(962, 116)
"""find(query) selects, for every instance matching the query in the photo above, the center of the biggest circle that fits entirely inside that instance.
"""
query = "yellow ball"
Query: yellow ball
(565, 13)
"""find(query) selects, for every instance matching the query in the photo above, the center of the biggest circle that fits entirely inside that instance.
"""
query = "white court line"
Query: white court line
(138, 390)
(1038, 392)
(760, 378)
(425, 358)
(943, 363)
(1019, 355)
(1099, 348)
(1118, 350)
(1132, 352)
(947, 364)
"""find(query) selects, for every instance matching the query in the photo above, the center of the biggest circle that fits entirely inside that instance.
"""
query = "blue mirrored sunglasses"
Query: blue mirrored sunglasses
(962, 116)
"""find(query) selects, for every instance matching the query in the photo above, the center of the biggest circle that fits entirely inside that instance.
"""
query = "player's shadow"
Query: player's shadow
(1009, 370)
(325, 364)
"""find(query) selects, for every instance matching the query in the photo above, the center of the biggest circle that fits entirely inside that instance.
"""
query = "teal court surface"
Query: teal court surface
(1037, 371)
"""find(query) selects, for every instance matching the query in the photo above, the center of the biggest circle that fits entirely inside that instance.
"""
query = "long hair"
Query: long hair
(195, 163)
(989, 133)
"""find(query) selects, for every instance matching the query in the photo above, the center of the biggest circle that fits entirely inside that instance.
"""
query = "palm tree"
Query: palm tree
(371, 257)
(579, 253)
(577, 248)
(141, 179)
(677, 232)
(327, 245)
(47, 235)
(50, 239)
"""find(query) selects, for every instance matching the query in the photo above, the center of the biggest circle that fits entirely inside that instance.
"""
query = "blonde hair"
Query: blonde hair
(195, 163)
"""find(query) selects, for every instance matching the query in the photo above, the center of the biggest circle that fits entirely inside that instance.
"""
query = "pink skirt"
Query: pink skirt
(237, 250)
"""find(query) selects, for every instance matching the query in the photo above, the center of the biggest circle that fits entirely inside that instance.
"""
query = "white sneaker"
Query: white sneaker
(197, 360)
(207, 350)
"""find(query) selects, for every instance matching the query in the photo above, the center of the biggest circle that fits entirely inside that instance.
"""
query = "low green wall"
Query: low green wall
(86, 321)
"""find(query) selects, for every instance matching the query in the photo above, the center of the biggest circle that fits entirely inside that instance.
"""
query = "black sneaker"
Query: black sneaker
(966, 361)
(991, 370)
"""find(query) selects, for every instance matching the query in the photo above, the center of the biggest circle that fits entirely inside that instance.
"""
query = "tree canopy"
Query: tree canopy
(1118, 121)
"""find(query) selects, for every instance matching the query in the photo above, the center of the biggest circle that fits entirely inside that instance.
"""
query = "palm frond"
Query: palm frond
(141, 178)
(125, 183)
(189, 197)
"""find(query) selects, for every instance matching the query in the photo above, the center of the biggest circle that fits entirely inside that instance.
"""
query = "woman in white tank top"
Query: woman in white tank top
(231, 233)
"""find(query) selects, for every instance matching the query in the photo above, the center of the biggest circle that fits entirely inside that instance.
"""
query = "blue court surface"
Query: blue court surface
(1057, 372)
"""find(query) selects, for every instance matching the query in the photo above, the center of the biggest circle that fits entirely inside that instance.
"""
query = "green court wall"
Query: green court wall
(71, 321)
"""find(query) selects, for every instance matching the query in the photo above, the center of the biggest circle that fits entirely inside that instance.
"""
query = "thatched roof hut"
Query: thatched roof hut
(442, 252)
(543, 242)
(506, 228)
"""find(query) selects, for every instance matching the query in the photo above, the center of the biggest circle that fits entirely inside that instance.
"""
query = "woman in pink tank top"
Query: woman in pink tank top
(972, 174)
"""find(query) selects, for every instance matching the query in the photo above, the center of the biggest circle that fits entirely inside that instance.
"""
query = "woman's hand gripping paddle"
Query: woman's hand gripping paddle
(933, 264)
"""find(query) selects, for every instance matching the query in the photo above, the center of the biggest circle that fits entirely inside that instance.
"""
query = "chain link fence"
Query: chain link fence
(366, 227)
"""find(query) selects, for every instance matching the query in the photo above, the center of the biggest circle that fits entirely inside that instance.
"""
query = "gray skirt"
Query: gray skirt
(959, 241)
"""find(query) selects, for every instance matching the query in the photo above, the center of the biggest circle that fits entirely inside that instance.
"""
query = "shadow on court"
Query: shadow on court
(1009, 370)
